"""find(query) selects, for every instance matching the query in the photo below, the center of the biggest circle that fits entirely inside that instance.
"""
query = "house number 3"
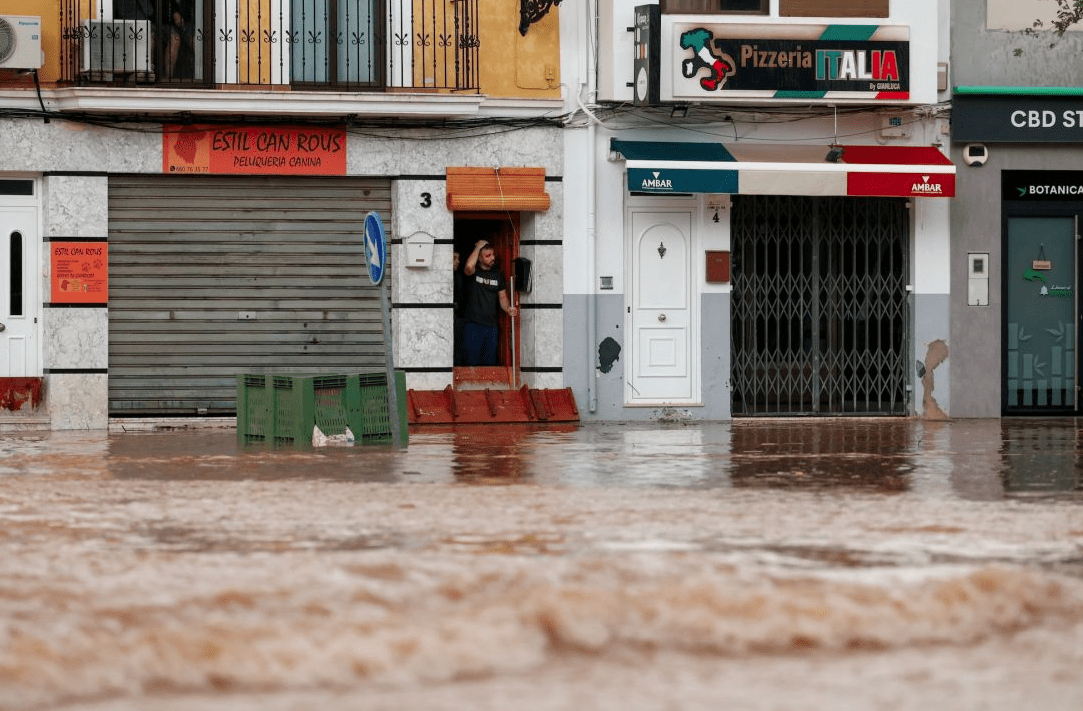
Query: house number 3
(426, 200)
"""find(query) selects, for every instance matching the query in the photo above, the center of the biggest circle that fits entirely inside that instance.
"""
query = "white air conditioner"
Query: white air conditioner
(20, 42)
(116, 46)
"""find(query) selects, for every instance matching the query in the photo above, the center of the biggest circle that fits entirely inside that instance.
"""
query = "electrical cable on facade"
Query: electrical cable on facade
(369, 126)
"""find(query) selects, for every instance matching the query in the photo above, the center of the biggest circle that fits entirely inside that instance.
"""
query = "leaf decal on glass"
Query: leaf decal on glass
(1058, 332)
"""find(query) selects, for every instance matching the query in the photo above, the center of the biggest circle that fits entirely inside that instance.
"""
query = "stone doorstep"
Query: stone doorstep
(170, 424)
(24, 423)
(36, 423)
(483, 378)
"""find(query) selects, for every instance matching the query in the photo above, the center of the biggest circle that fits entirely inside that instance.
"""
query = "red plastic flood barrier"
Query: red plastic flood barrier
(451, 406)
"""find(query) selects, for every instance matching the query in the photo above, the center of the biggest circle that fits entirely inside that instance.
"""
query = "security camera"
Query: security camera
(975, 154)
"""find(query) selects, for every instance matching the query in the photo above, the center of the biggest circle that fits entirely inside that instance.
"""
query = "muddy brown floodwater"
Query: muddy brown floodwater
(827, 564)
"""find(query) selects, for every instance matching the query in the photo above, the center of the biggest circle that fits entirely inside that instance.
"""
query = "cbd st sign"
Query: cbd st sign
(1017, 119)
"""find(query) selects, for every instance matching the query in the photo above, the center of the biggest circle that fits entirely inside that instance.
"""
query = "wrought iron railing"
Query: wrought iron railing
(363, 45)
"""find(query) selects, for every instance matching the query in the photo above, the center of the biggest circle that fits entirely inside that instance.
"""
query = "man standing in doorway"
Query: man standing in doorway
(485, 294)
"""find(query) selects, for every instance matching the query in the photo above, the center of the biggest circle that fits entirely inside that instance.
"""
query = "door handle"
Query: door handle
(2, 327)
(661, 317)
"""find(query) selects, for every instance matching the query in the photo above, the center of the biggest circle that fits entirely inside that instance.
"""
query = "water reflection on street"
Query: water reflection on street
(864, 563)
(974, 459)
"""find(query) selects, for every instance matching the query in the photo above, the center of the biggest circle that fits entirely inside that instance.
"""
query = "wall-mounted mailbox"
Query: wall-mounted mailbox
(522, 274)
(718, 267)
(418, 250)
(978, 279)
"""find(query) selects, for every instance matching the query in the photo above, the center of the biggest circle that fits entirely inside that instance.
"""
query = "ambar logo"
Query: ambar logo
(927, 188)
(657, 182)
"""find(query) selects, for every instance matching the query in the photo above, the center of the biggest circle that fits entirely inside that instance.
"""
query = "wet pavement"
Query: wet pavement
(761, 564)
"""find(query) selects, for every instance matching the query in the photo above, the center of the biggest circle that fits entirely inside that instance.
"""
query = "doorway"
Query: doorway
(19, 299)
(501, 230)
(820, 316)
(661, 315)
(1040, 315)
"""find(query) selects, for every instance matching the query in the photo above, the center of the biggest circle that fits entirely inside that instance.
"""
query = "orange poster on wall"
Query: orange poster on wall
(262, 150)
(80, 272)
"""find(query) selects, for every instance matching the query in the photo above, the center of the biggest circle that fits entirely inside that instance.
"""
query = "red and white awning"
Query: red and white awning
(753, 169)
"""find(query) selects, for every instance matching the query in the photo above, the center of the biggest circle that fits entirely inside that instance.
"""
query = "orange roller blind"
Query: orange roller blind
(496, 189)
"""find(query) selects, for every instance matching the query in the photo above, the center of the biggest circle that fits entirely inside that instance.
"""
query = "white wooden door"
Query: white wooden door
(19, 305)
(661, 308)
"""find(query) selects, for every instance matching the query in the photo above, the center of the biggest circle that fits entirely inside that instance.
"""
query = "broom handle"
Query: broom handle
(514, 370)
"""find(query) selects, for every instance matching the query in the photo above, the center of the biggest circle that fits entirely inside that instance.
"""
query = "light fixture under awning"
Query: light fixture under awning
(479, 189)
(661, 167)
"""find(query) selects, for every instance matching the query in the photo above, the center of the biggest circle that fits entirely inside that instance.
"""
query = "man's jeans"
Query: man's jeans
(479, 347)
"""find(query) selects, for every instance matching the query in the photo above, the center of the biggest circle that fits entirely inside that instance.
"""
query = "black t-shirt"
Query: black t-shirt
(483, 289)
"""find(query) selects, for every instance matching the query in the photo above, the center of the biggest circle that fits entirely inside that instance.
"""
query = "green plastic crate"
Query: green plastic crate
(282, 409)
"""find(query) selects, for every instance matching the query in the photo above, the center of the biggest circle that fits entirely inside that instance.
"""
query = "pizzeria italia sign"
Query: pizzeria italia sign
(710, 61)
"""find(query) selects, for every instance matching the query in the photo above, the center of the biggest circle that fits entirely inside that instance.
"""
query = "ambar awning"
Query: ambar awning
(662, 167)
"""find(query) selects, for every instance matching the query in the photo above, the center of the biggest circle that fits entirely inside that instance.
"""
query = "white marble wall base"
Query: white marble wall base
(547, 381)
(547, 338)
(77, 401)
(428, 381)
(546, 274)
(423, 338)
(76, 206)
(76, 338)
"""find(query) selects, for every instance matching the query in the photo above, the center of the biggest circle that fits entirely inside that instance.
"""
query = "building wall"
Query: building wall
(990, 49)
(76, 340)
(597, 229)
(931, 341)
(590, 256)
(510, 64)
(76, 160)
(518, 65)
(588, 259)
(976, 331)
(49, 11)
(607, 366)
(928, 42)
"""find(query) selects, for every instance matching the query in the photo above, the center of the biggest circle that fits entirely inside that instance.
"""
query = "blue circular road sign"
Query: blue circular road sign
(375, 247)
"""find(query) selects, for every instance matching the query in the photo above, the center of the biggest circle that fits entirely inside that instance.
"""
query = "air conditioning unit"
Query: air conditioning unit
(113, 47)
(20, 42)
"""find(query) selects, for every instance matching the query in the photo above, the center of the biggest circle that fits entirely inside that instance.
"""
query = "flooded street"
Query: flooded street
(827, 564)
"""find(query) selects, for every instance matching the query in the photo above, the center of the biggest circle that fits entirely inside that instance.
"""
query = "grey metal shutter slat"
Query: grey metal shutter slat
(211, 276)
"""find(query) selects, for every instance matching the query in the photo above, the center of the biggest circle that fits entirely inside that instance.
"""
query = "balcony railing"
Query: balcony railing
(341, 45)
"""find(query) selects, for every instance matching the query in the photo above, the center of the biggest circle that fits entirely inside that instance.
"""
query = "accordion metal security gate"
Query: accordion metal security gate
(820, 309)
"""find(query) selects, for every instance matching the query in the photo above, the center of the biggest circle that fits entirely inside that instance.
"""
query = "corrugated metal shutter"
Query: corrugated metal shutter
(212, 276)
